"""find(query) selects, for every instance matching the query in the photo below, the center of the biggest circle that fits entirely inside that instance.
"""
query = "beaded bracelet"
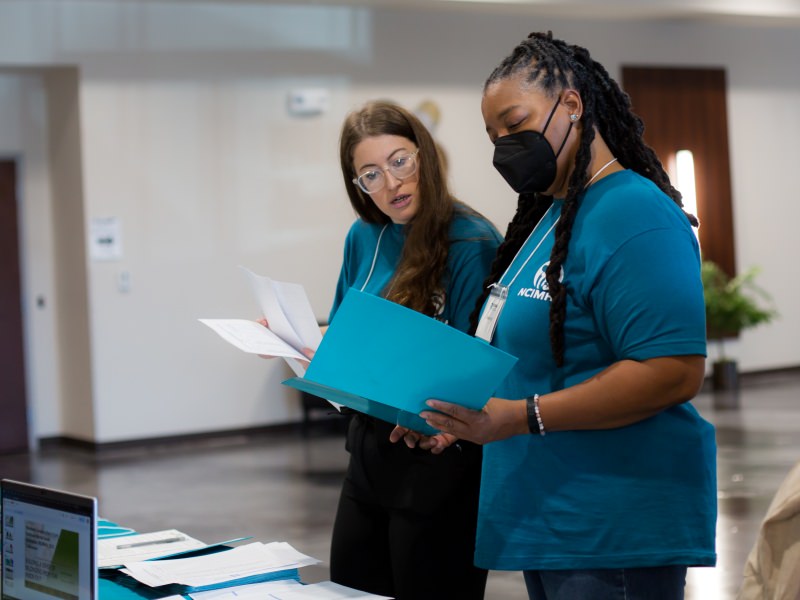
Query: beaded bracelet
(535, 424)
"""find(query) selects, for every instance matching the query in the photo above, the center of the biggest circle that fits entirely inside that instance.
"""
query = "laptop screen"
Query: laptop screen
(49, 543)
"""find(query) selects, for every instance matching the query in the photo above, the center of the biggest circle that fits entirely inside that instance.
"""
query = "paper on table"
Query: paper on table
(237, 563)
(326, 590)
(251, 591)
(113, 552)
(386, 360)
(287, 590)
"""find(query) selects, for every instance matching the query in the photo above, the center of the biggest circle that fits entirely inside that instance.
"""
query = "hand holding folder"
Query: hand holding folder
(386, 360)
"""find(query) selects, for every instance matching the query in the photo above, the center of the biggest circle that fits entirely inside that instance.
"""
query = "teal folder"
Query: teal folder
(386, 360)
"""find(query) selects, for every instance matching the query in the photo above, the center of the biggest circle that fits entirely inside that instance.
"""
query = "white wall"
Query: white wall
(71, 306)
(185, 138)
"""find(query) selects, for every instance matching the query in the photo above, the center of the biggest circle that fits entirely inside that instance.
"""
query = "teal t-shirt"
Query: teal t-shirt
(636, 496)
(473, 244)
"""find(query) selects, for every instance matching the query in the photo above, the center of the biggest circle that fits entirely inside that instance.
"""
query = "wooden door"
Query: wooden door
(13, 405)
(685, 108)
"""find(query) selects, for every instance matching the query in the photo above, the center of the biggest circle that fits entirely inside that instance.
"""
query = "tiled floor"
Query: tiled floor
(283, 486)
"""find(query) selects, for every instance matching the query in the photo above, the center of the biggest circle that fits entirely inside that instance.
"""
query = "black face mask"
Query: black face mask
(526, 160)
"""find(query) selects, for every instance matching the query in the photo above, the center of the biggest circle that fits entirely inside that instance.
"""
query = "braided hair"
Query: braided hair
(553, 65)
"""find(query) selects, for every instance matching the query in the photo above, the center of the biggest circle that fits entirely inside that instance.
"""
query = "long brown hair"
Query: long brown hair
(423, 262)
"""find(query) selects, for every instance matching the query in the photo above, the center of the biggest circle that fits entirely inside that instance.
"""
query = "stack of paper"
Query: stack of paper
(254, 591)
(114, 552)
(288, 590)
(245, 564)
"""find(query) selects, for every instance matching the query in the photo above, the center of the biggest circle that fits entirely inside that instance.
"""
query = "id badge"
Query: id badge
(491, 312)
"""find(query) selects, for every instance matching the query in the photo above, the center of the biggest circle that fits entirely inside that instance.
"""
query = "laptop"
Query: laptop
(49, 543)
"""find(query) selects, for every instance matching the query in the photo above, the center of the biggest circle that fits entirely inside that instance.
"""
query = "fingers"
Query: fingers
(443, 442)
(447, 408)
(442, 423)
(438, 449)
(463, 423)
(308, 352)
(438, 443)
(445, 419)
(428, 443)
(262, 321)
(411, 438)
(397, 434)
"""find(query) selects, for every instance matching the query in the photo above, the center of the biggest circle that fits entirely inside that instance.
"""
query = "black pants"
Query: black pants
(406, 521)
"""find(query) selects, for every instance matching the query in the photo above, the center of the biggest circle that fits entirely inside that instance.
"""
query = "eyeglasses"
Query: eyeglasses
(401, 167)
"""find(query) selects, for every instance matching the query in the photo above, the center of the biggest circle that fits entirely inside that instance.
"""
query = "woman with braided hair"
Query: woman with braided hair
(598, 474)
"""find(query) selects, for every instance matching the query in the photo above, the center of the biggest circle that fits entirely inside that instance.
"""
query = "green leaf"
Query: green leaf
(733, 304)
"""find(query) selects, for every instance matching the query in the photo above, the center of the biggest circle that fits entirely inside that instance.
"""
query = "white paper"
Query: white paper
(105, 238)
(250, 336)
(252, 591)
(244, 561)
(113, 552)
(291, 321)
(287, 310)
(290, 318)
(326, 590)
(292, 325)
(287, 590)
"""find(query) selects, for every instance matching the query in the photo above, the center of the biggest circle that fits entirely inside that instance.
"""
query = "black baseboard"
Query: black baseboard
(228, 437)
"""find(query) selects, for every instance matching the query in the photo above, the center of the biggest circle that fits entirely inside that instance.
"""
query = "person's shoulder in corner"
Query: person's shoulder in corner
(469, 225)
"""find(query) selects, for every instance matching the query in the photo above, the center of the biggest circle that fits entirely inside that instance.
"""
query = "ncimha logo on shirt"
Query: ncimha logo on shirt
(540, 289)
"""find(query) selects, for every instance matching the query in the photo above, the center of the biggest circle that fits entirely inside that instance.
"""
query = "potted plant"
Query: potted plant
(732, 304)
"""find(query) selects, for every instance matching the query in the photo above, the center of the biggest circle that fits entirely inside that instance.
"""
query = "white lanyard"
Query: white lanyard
(497, 297)
(374, 258)
(530, 235)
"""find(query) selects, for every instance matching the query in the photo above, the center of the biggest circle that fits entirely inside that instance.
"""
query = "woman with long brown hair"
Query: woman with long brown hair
(405, 525)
